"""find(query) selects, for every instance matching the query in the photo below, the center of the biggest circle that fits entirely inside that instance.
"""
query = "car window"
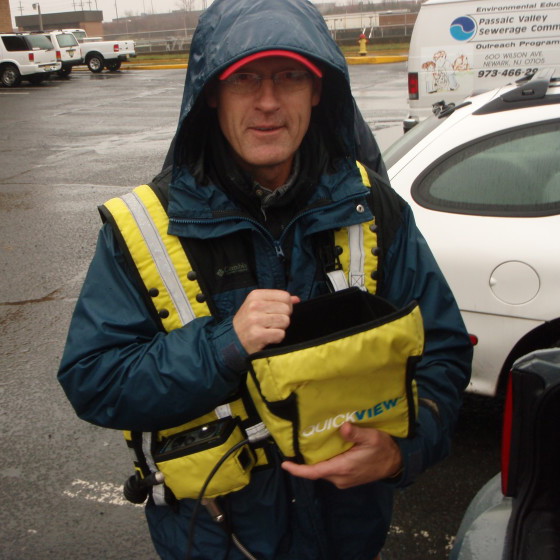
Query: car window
(514, 173)
(39, 42)
(14, 43)
(66, 40)
(80, 35)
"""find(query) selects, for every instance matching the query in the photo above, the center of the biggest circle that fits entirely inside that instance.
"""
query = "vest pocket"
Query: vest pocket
(188, 458)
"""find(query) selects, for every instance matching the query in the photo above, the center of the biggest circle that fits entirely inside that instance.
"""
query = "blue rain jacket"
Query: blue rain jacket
(120, 371)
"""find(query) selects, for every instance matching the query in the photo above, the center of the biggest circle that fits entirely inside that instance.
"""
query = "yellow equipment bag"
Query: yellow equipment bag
(347, 356)
(188, 458)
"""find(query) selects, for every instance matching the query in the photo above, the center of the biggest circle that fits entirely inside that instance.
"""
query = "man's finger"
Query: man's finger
(311, 472)
(357, 434)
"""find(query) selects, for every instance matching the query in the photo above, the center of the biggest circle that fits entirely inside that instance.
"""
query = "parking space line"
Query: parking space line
(100, 492)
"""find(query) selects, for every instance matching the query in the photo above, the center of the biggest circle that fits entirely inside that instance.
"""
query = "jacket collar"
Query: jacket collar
(206, 210)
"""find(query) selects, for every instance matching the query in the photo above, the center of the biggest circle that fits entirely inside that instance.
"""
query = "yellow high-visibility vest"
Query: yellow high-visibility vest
(172, 285)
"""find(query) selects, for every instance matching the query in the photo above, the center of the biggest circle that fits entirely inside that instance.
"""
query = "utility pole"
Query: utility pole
(38, 8)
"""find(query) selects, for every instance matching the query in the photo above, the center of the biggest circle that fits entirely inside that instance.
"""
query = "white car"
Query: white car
(67, 49)
(483, 180)
(24, 56)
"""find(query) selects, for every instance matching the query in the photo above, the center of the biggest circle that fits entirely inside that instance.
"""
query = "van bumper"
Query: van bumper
(49, 68)
(71, 63)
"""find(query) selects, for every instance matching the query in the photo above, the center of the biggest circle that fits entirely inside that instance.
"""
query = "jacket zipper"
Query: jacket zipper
(276, 243)
(259, 227)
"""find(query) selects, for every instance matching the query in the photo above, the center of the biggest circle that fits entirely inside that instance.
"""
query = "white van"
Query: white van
(462, 47)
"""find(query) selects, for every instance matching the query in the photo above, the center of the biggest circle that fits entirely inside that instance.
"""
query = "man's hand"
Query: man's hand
(263, 318)
(374, 456)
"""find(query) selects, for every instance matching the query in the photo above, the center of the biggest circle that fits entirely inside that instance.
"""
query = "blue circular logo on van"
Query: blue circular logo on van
(463, 28)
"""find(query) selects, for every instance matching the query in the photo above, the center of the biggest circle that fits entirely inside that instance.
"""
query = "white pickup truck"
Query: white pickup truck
(99, 54)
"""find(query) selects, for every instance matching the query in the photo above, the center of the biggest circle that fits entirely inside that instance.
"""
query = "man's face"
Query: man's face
(265, 127)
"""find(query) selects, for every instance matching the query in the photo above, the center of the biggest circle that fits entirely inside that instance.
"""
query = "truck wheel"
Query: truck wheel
(95, 63)
(113, 65)
(65, 72)
(10, 76)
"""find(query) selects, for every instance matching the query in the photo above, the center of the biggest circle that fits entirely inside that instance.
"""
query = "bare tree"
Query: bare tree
(186, 5)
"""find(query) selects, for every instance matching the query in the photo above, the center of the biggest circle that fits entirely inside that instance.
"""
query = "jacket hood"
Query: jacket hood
(233, 29)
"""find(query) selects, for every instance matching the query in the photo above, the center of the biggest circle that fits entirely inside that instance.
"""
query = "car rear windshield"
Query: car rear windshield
(511, 173)
(66, 40)
(39, 42)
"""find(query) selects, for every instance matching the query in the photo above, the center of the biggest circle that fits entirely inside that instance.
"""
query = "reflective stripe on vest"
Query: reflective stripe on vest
(159, 257)
(161, 262)
(359, 265)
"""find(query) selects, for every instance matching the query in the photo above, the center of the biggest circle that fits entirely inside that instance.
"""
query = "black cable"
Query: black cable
(198, 503)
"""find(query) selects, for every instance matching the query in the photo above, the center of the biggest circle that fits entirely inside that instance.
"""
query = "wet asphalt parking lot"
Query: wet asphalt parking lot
(65, 147)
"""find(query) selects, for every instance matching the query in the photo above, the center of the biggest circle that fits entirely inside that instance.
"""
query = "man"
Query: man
(264, 170)
(366, 147)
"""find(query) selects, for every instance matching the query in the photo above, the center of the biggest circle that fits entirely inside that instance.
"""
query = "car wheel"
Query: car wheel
(95, 63)
(113, 65)
(65, 72)
(36, 80)
(10, 76)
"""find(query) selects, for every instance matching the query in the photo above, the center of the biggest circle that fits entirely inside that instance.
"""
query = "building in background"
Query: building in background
(90, 20)
(165, 32)
(382, 21)
(5, 17)
(383, 26)
(172, 31)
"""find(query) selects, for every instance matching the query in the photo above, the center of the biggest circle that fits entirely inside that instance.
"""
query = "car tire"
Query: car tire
(36, 80)
(95, 63)
(10, 76)
(113, 65)
(65, 72)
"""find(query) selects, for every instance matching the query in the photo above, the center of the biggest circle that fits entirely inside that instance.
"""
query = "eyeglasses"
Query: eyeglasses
(286, 81)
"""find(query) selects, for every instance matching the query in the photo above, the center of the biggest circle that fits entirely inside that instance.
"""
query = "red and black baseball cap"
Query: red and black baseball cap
(271, 53)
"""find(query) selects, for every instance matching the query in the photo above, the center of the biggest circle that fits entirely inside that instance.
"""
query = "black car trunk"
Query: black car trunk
(532, 458)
